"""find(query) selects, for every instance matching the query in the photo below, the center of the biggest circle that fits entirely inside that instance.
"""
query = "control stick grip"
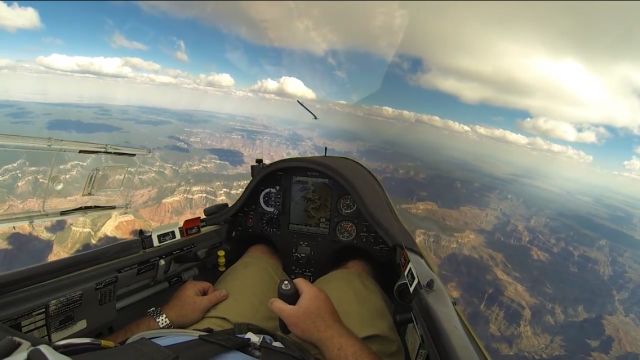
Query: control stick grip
(288, 293)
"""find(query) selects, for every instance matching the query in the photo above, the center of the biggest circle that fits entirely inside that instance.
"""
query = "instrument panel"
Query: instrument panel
(309, 218)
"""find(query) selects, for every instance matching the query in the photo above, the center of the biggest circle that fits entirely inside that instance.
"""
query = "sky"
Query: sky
(558, 78)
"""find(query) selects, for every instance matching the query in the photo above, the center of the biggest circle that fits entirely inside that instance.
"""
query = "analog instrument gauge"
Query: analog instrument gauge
(346, 205)
(270, 199)
(346, 230)
(270, 223)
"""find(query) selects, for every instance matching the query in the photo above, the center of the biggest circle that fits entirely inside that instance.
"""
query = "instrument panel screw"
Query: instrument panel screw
(430, 285)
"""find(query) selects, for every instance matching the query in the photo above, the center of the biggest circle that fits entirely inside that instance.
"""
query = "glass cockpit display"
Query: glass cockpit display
(310, 205)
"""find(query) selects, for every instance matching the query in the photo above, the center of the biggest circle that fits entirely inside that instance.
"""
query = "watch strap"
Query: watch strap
(160, 318)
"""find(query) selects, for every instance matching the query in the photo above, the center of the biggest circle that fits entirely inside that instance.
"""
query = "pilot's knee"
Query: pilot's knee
(358, 265)
(263, 250)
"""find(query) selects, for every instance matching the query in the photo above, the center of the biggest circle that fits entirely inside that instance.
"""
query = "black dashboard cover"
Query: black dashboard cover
(359, 181)
(51, 270)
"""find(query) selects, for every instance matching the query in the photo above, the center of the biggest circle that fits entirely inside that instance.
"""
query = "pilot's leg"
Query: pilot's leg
(250, 282)
(363, 307)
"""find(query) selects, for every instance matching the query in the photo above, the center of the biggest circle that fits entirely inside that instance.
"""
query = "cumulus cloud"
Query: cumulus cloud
(15, 17)
(117, 40)
(181, 51)
(564, 130)
(633, 165)
(526, 56)
(287, 86)
(216, 80)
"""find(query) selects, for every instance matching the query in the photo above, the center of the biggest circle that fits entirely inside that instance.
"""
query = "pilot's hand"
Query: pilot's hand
(192, 300)
(314, 318)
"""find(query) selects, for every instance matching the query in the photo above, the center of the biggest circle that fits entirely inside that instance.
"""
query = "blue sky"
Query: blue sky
(422, 70)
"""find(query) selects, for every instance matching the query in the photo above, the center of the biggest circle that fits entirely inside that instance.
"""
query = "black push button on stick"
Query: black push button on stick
(288, 293)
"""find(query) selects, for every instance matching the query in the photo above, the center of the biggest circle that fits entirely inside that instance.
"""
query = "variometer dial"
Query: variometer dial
(346, 205)
(270, 199)
(346, 230)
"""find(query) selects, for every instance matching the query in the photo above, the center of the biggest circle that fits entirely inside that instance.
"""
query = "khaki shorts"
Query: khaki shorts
(253, 280)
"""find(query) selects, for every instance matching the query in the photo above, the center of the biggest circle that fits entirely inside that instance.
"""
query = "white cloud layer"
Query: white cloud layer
(117, 40)
(145, 71)
(286, 86)
(564, 130)
(567, 61)
(132, 68)
(501, 135)
(15, 17)
(103, 66)
(181, 52)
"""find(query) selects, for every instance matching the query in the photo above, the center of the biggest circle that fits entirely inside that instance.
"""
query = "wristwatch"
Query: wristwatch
(160, 317)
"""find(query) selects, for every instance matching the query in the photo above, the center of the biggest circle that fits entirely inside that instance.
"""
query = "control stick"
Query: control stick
(288, 293)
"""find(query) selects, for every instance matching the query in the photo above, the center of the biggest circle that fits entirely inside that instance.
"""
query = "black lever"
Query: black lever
(288, 293)
(215, 209)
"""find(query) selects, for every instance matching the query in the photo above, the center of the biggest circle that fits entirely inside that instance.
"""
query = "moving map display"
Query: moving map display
(310, 205)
